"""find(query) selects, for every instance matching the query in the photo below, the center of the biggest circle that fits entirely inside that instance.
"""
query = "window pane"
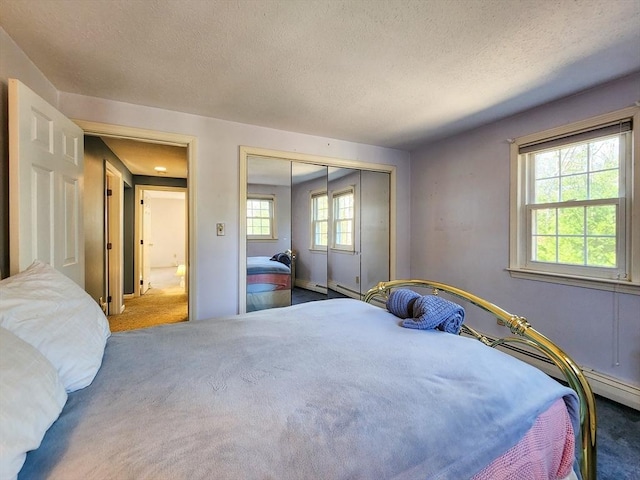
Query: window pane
(319, 223)
(321, 207)
(547, 164)
(574, 187)
(320, 236)
(605, 154)
(259, 217)
(571, 250)
(601, 220)
(547, 191)
(545, 249)
(601, 252)
(544, 222)
(343, 232)
(581, 189)
(604, 184)
(573, 159)
(571, 221)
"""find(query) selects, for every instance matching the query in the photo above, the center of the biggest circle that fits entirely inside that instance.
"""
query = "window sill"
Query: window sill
(575, 281)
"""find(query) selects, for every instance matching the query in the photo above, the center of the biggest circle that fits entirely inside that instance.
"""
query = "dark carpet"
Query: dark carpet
(617, 440)
(302, 295)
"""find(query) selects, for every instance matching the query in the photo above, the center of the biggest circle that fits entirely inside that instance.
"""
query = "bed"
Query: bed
(333, 389)
(269, 281)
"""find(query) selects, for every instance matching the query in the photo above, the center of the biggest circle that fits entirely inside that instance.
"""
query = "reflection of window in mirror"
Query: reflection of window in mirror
(319, 220)
(261, 217)
(343, 219)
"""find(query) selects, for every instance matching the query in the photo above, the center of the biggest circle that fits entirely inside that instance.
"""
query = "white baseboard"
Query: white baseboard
(601, 384)
(614, 389)
(333, 285)
(307, 285)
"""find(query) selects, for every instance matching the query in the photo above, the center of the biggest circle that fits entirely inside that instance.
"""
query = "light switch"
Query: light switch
(220, 229)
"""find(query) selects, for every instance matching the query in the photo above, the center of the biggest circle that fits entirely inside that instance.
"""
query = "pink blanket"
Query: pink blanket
(545, 452)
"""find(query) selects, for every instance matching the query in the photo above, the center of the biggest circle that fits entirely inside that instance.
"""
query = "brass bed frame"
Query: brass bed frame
(526, 335)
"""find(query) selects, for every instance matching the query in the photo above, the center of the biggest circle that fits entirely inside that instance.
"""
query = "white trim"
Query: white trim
(518, 223)
(601, 384)
(246, 151)
(333, 285)
(115, 221)
(575, 281)
(307, 285)
(166, 138)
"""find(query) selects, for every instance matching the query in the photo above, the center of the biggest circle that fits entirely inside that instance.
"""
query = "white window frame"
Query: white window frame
(273, 234)
(335, 219)
(313, 196)
(624, 278)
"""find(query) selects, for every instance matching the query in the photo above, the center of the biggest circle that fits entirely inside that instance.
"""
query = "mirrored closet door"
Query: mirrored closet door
(343, 258)
(310, 224)
(268, 220)
(328, 225)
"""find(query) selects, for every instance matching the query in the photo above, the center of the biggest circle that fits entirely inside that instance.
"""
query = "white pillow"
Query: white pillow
(51, 312)
(31, 398)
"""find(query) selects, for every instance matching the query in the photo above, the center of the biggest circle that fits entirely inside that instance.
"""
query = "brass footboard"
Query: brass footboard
(526, 335)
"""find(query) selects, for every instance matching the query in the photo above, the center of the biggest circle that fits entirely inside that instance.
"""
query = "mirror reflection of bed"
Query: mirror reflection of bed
(328, 224)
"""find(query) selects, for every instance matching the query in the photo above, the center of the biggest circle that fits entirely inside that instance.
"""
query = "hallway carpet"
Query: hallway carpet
(157, 306)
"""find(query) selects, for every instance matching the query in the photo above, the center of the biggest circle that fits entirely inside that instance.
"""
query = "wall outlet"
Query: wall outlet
(220, 229)
(357, 280)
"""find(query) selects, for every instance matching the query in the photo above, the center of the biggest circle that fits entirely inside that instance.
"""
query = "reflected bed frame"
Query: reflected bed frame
(526, 335)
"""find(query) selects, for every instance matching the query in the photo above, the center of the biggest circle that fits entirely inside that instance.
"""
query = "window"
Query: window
(261, 217)
(571, 210)
(343, 219)
(319, 220)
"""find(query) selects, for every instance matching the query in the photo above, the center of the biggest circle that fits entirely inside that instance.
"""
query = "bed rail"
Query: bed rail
(527, 335)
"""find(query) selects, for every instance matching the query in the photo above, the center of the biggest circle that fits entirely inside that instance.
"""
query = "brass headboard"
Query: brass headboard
(527, 335)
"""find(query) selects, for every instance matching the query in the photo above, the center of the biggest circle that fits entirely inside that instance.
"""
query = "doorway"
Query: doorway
(161, 252)
(161, 239)
(148, 141)
(113, 234)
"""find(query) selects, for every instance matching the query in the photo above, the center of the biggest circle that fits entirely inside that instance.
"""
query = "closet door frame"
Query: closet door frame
(247, 151)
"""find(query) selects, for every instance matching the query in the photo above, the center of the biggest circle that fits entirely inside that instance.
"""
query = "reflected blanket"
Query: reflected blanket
(258, 265)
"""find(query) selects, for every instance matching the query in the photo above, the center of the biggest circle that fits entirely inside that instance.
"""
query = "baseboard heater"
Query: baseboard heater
(601, 384)
(354, 293)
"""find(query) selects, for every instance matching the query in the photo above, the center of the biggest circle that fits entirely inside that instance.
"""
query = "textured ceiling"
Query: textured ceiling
(141, 158)
(393, 73)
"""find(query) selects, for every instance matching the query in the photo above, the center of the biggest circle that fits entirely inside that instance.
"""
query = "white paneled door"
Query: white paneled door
(46, 164)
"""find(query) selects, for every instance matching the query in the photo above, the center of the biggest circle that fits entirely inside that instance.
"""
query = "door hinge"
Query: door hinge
(109, 246)
(141, 282)
(109, 192)
(109, 299)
